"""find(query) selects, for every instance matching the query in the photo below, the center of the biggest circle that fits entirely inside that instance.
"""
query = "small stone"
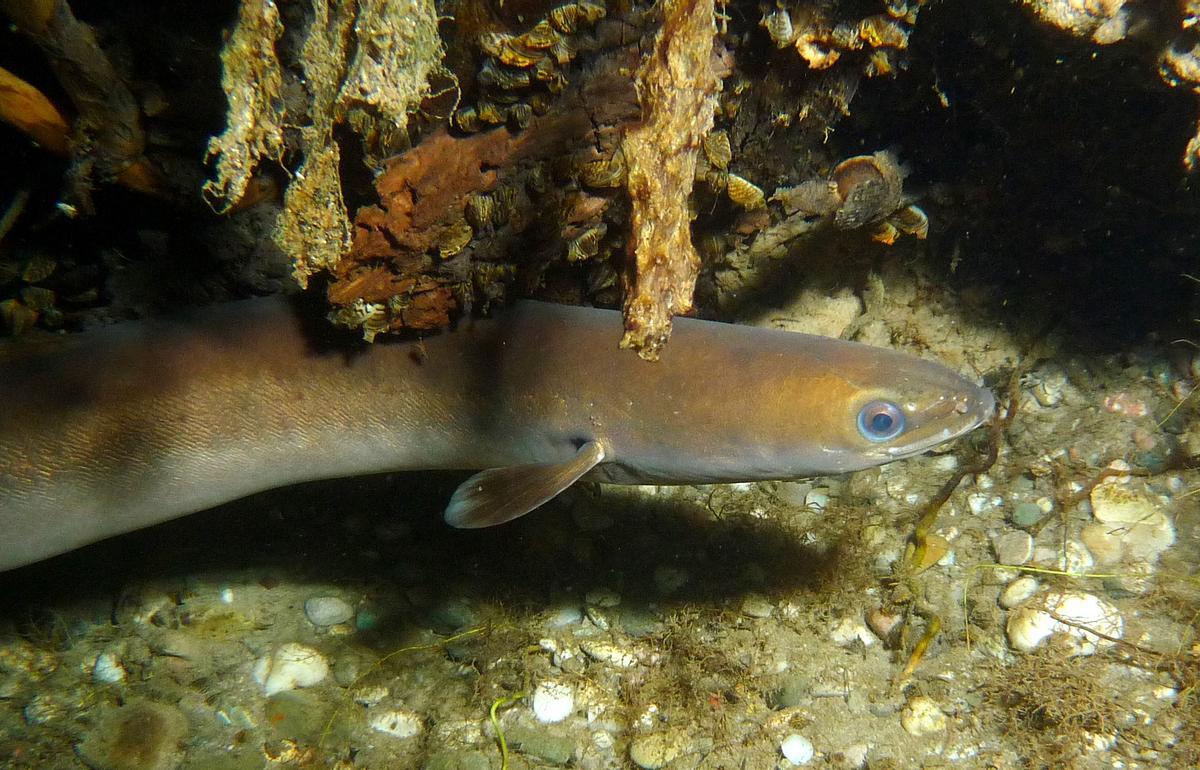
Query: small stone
(108, 668)
(979, 502)
(1135, 579)
(1102, 542)
(657, 750)
(327, 610)
(452, 616)
(669, 579)
(1075, 559)
(796, 690)
(756, 606)
(1018, 592)
(1031, 625)
(640, 622)
(538, 742)
(553, 701)
(850, 629)
(1013, 548)
(884, 624)
(565, 615)
(855, 756)
(793, 492)
(607, 652)
(398, 723)
(797, 749)
(1144, 530)
(290, 666)
(817, 499)
(1025, 515)
(922, 716)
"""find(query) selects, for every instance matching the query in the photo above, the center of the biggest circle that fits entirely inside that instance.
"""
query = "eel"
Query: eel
(132, 424)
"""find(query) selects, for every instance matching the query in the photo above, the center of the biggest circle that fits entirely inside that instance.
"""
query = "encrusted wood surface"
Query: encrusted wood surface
(423, 196)
(677, 87)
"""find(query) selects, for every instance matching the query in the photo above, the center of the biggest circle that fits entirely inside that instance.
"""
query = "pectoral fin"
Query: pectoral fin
(498, 495)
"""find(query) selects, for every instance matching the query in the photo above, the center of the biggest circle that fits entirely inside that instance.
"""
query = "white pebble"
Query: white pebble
(566, 615)
(553, 701)
(797, 749)
(327, 610)
(397, 723)
(978, 502)
(1075, 559)
(1029, 626)
(108, 669)
(817, 500)
(851, 629)
(607, 652)
(1143, 530)
(921, 716)
(1018, 592)
(947, 463)
(371, 696)
(290, 666)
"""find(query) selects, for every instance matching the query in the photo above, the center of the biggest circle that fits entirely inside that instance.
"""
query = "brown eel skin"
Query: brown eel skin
(136, 423)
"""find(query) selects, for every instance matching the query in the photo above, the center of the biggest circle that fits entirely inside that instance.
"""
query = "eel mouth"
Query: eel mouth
(943, 421)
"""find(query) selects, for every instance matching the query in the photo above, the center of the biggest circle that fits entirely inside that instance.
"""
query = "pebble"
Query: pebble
(797, 749)
(1031, 625)
(607, 652)
(756, 606)
(668, 580)
(1014, 547)
(1141, 530)
(538, 742)
(851, 629)
(817, 499)
(657, 750)
(398, 723)
(922, 716)
(1027, 514)
(1075, 559)
(566, 615)
(553, 701)
(1018, 592)
(452, 615)
(1102, 542)
(855, 755)
(979, 502)
(793, 492)
(108, 668)
(1136, 579)
(290, 666)
(884, 624)
(327, 610)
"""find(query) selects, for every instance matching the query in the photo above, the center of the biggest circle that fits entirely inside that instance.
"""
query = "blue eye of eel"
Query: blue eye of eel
(880, 421)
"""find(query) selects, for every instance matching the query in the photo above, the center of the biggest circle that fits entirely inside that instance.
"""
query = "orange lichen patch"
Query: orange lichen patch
(408, 262)
(677, 88)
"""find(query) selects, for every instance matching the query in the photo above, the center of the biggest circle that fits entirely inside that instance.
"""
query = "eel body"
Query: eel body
(133, 424)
